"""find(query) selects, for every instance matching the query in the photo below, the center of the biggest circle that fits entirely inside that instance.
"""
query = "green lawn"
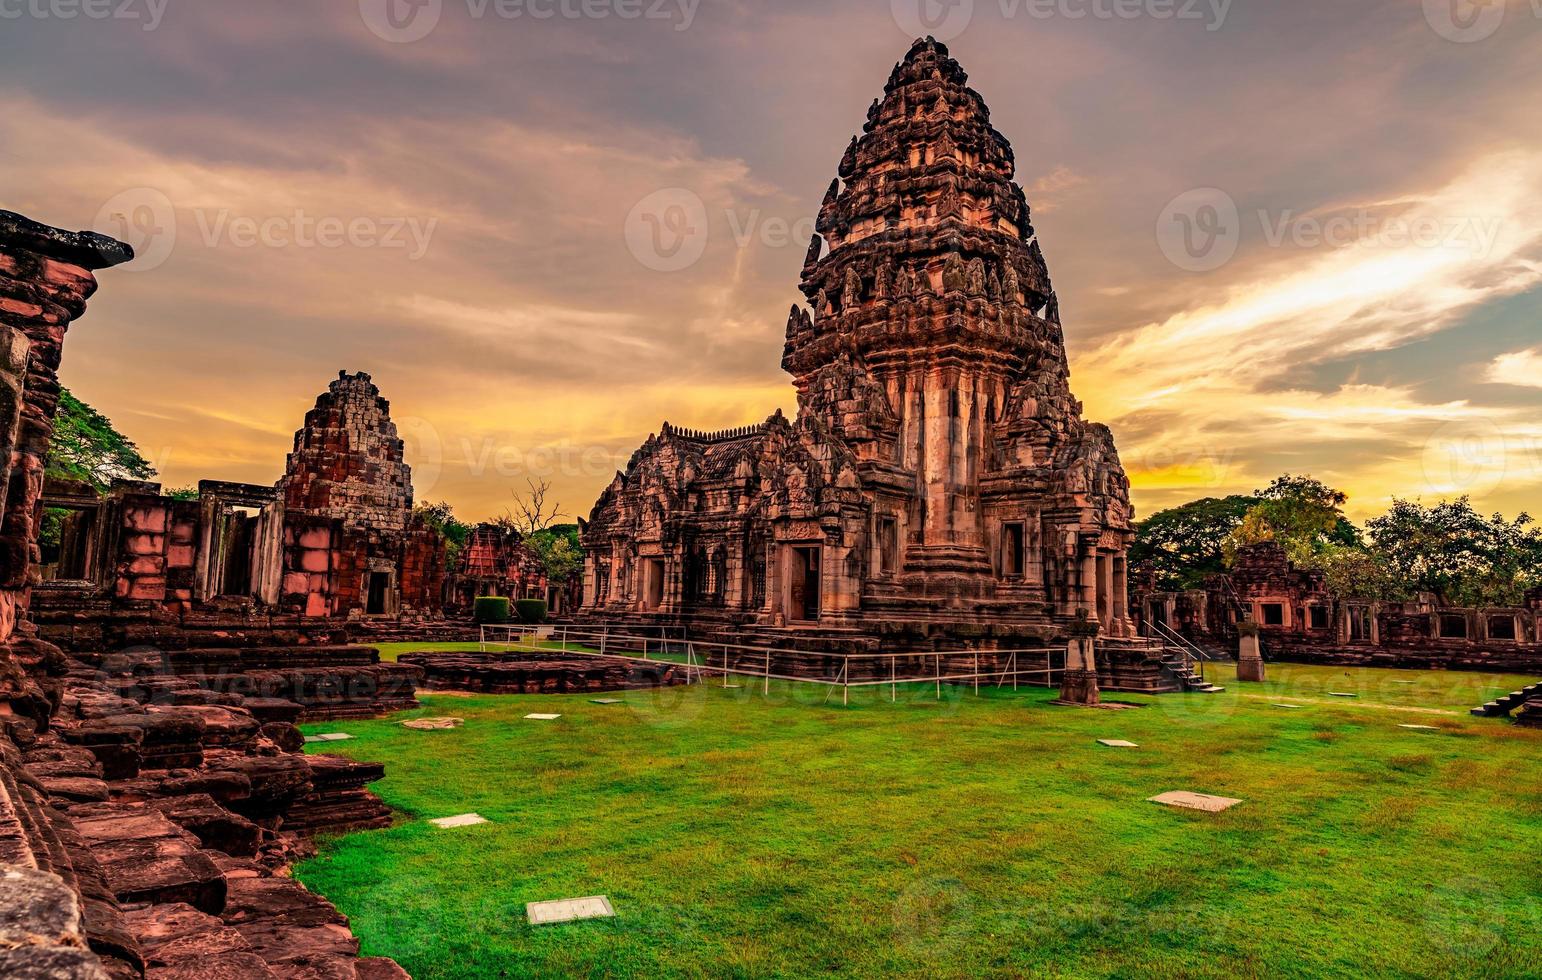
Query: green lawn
(742, 835)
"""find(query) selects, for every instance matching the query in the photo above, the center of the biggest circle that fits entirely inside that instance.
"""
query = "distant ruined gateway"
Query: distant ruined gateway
(939, 485)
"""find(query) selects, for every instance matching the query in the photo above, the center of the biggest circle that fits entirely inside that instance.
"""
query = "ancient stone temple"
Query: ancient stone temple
(333, 541)
(939, 483)
(347, 467)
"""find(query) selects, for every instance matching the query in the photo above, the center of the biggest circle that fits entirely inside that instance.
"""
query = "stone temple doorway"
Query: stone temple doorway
(803, 583)
(653, 583)
(377, 602)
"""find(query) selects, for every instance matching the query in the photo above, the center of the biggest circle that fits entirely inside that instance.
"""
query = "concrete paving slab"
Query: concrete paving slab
(540, 717)
(569, 910)
(1117, 743)
(464, 820)
(1195, 801)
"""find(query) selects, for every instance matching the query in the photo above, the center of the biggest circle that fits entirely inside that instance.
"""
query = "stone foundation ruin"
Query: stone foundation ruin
(152, 784)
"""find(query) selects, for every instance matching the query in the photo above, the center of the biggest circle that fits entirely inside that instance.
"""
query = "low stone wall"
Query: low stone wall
(1494, 658)
(515, 673)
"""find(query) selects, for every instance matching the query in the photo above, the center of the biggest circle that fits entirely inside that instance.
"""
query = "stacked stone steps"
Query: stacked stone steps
(1188, 678)
(1501, 707)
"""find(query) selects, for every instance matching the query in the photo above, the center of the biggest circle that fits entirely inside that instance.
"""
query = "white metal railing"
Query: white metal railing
(702, 658)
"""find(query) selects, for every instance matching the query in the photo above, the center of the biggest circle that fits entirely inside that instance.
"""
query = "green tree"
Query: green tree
(1461, 556)
(1306, 517)
(560, 552)
(441, 517)
(86, 447)
(1183, 546)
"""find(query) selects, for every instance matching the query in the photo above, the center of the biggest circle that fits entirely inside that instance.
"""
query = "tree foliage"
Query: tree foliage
(86, 447)
(1183, 546)
(1305, 516)
(1461, 556)
(441, 517)
(1449, 549)
(559, 550)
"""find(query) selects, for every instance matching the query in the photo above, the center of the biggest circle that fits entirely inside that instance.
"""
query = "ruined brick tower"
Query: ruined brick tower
(939, 480)
(347, 467)
(347, 460)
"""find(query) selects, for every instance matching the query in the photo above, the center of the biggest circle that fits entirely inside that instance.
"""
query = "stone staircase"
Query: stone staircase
(1501, 707)
(1183, 670)
(1181, 659)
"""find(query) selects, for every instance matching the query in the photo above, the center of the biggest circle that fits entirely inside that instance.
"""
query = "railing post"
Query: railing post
(893, 688)
(937, 662)
(977, 673)
(766, 691)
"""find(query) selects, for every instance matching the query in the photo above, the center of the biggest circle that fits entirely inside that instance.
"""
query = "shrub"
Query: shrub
(491, 609)
(531, 610)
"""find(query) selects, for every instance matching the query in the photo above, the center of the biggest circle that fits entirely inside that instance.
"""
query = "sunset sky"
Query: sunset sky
(465, 216)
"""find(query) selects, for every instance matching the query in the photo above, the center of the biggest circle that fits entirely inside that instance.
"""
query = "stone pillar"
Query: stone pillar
(1250, 657)
(1079, 685)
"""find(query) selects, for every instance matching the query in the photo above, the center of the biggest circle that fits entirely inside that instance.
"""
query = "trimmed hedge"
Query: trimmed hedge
(531, 610)
(491, 609)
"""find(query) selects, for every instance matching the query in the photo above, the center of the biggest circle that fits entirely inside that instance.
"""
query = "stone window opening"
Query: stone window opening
(1272, 614)
(1318, 617)
(1453, 626)
(67, 537)
(757, 575)
(1013, 549)
(888, 546)
(1503, 628)
(1359, 623)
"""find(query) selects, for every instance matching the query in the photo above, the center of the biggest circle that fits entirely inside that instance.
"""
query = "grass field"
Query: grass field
(743, 835)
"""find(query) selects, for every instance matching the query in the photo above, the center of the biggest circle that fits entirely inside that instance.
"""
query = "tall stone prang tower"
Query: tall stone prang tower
(939, 485)
(347, 461)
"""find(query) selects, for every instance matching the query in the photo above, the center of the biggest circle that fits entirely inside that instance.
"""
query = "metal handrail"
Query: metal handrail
(698, 655)
(1190, 651)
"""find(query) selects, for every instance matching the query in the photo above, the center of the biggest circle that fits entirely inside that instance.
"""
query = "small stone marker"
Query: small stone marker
(605, 701)
(334, 737)
(1420, 728)
(1341, 694)
(542, 717)
(1195, 801)
(1117, 743)
(464, 820)
(569, 910)
(433, 724)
